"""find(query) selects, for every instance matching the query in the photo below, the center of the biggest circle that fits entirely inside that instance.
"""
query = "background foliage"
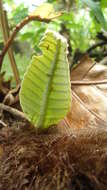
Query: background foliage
(80, 23)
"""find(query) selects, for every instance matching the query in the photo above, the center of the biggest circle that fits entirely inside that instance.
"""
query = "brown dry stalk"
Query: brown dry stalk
(13, 111)
(16, 30)
(2, 123)
(5, 31)
(10, 52)
(87, 82)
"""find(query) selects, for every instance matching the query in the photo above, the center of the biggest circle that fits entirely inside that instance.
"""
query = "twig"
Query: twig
(1, 16)
(2, 124)
(13, 111)
(84, 82)
(10, 52)
(96, 45)
(16, 30)
(5, 31)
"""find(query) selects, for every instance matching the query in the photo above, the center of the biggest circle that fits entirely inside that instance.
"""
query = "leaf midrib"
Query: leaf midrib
(45, 100)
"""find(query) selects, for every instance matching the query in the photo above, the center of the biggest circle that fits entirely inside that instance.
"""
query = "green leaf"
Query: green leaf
(104, 3)
(19, 13)
(46, 11)
(45, 94)
(26, 35)
(96, 9)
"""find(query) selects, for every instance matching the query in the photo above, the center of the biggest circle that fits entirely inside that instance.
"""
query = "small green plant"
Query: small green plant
(45, 94)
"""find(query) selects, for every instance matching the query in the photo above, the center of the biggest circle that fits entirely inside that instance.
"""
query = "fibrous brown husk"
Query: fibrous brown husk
(34, 161)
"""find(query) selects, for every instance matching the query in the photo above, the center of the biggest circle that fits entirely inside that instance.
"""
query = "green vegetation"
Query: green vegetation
(22, 63)
(80, 23)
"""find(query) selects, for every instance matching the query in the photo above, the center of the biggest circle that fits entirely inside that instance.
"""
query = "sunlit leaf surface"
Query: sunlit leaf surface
(45, 93)
(46, 11)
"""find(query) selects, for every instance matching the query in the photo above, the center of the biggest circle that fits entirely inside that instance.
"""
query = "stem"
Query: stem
(5, 31)
(99, 44)
(84, 82)
(16, 30)
(13, 111)
(10, 52)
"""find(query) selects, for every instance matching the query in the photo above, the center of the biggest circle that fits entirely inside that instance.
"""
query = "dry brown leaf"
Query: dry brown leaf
(89, 102)
(79, 72)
